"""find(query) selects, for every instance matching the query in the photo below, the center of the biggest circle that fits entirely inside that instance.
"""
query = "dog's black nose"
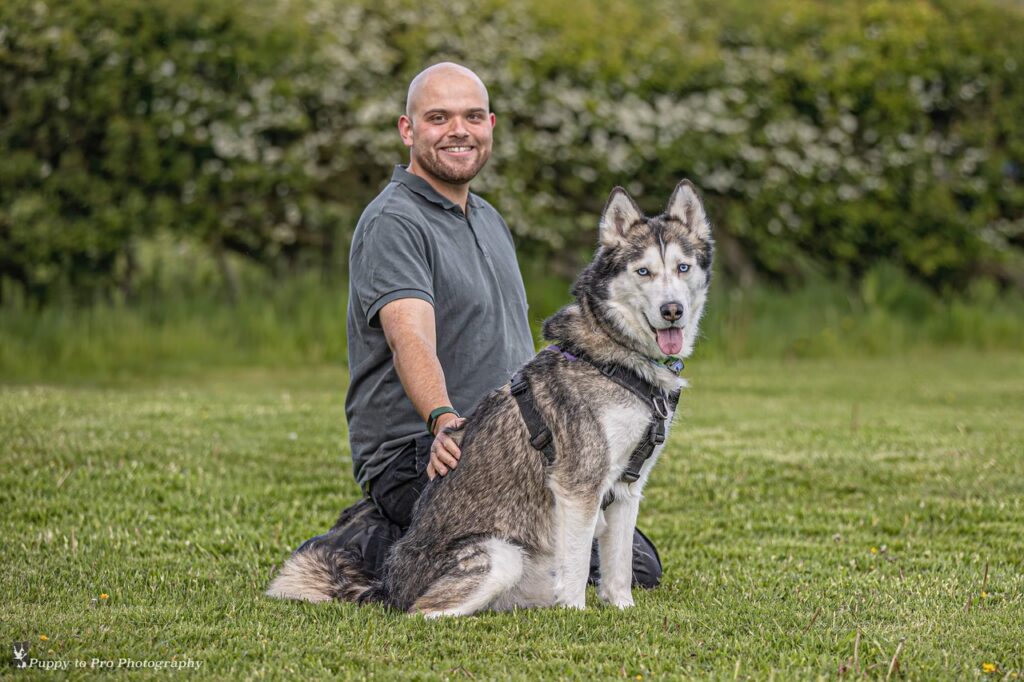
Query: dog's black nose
(671, 311)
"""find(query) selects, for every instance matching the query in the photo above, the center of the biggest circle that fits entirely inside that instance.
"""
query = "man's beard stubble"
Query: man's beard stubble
(432, 163)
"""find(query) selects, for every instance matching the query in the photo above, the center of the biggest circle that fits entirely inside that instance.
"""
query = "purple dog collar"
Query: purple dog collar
(565, 354)
(674, 364)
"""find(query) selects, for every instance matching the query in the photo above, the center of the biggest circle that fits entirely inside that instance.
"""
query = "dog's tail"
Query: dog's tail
(318, 573)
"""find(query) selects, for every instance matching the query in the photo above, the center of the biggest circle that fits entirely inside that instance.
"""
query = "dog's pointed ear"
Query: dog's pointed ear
(686, 207)
(619, 215)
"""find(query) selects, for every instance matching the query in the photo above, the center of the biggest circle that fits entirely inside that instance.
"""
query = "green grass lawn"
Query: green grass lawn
(807, 512)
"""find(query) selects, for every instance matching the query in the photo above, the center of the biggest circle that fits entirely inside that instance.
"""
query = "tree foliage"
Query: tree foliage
(825, 136)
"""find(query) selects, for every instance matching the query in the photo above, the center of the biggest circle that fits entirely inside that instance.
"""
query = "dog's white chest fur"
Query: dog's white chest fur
(623, 427)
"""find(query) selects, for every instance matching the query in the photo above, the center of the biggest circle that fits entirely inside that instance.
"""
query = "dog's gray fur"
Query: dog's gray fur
(503, 529)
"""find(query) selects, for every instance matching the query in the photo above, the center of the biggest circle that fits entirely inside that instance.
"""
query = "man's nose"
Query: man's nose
(671, 311)
(457, 127)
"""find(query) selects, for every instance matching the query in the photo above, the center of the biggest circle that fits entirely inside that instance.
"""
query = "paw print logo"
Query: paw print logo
(21, 654)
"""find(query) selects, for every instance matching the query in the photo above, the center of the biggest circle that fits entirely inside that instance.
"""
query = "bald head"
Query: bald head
(437, 78)
(447, 127)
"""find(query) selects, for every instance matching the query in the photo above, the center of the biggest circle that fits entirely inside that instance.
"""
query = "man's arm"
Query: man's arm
(408, 325)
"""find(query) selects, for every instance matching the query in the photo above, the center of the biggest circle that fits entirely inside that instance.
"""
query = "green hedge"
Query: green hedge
(826, 136)
(122, 119)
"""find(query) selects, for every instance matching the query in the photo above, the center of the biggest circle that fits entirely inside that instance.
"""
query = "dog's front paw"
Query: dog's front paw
(617, 598)
(571, 601)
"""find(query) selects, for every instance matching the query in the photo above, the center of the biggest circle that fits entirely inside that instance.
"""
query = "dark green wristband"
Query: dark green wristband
(432, 422)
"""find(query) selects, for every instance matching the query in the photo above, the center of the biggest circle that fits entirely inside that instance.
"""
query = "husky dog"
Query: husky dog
(512, 526)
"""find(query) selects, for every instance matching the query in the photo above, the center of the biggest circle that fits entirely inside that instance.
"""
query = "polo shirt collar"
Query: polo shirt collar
(423, 188)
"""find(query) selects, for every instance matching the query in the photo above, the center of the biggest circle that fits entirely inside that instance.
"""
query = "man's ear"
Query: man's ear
(620, 214)
(405, 129)
(686, 207)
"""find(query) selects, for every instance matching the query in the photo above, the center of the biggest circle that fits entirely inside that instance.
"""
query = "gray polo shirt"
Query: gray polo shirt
(411, 242)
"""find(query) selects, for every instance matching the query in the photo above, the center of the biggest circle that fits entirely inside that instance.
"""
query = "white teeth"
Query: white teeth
(457, 149)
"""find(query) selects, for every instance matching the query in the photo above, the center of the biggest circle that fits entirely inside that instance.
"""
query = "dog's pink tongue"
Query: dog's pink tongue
(670, 340)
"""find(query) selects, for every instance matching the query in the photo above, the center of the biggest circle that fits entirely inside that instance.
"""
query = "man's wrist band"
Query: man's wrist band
(432, 422)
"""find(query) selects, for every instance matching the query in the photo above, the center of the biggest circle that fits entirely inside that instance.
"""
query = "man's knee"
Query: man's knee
(397, 488)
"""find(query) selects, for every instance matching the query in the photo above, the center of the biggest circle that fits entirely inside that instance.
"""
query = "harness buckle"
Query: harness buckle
(660, 406)
(519, 385)
(656, 434)
(542, 439)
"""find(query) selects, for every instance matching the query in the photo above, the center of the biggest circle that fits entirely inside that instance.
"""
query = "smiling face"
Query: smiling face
(448, 125)
(650, 278)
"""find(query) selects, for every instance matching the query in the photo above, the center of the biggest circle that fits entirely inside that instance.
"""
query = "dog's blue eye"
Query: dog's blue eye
(684, 267)
(643, 272)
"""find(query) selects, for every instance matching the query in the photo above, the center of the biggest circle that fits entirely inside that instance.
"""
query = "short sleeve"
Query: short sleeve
(389, 261)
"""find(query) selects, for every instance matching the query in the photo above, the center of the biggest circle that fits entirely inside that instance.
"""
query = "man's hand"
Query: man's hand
(444, 453)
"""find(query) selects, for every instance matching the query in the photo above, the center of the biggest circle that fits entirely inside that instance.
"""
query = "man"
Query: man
(437, 313)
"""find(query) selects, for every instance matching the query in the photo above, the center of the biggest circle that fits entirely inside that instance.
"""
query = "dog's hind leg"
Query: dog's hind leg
(535, 588)
(483, 572)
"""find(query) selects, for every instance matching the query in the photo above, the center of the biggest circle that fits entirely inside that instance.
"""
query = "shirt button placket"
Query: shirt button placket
(480, 243)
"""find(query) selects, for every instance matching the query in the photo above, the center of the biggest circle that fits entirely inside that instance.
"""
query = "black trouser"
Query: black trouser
(397, 488)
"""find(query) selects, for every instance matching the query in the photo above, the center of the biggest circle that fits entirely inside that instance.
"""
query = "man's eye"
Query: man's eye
(684, 267)
(643, 272)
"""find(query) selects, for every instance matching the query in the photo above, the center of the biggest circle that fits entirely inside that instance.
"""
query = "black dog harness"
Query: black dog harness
(662, 406)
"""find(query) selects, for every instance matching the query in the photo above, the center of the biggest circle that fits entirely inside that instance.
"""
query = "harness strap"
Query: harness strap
(654, 437)
(540, 435)
(662, 406)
